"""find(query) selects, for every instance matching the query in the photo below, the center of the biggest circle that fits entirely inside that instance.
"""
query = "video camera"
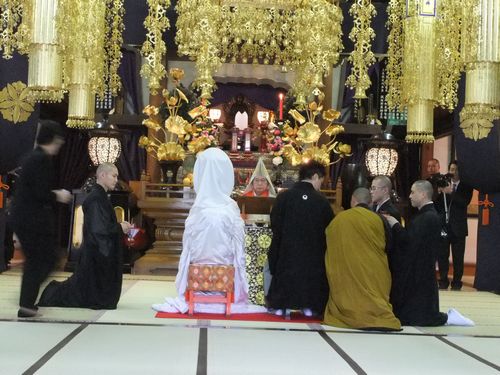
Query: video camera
(441, 180)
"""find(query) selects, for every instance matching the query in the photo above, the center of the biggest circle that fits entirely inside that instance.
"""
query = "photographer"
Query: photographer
(451, 204)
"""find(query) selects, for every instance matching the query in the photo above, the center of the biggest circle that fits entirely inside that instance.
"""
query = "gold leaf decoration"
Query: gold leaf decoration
(15, 105)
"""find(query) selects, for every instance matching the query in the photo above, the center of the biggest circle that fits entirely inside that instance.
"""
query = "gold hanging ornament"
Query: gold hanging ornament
(419, 70)
(45, 61)
(482, 90)
(154, 48)
(361, 57)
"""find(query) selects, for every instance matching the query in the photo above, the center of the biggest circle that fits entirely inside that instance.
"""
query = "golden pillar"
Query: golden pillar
(482, 90)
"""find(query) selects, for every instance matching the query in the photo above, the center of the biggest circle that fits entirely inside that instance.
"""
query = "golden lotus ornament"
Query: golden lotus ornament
(176, 124)
(151, 110)
(308, 133)
(170, 151)
(331, 115)
(198, 144)
(292, 155)
(297, 116)
(334, 130)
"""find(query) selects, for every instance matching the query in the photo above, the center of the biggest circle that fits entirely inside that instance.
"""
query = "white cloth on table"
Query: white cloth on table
(214, 234)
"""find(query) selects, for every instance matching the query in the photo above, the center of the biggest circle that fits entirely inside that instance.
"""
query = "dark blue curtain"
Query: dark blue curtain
(132, 159)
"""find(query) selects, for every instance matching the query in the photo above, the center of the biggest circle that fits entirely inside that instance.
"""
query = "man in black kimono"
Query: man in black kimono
(97, 280)
(299, 218)
(414, 292)
(33, 216)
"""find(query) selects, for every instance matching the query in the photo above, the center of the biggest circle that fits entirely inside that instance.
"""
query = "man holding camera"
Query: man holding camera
(452, 205)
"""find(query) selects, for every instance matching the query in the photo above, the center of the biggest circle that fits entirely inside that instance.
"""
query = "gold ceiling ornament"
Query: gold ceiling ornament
(424, 73)
(15, 104)
(362, 56)
(304, 36)
(68, 31)
(395, 12)
(82, 33)
(316, 40)
(482, 66)
(419, 85)
(14, 30)
(199, 37)
(154, 48)
(45, 61)
(89, 35)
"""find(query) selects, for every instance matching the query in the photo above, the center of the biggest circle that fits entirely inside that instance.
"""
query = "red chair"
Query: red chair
(210, 278)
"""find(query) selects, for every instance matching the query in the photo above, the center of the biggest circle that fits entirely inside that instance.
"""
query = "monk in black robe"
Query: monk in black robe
(297, 254)
(414, 293)
(97, 280)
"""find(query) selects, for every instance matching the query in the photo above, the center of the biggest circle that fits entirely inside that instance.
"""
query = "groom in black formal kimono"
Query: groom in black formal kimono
(299, 218)
(414, 292)
(97, 281)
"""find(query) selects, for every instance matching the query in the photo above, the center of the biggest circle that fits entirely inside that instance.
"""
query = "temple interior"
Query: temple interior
(366, 88)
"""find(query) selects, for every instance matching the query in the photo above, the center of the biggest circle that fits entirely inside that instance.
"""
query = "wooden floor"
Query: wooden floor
(130, 340)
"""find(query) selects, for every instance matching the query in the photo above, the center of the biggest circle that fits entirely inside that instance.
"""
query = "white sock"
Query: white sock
(307, 312)
(457, 319)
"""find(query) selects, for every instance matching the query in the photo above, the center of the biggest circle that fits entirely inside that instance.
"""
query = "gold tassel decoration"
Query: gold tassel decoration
(482, 89)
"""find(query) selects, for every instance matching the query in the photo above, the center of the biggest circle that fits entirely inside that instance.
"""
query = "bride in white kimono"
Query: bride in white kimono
(214, 234)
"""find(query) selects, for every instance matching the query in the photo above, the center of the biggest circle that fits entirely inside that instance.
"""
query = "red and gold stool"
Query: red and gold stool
(210, 278)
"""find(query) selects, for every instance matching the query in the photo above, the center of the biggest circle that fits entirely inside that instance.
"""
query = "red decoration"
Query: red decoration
(485, 218)
(4, 187)
(281, 105)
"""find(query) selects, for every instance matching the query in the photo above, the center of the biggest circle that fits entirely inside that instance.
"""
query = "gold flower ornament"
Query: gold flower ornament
(302, 139)
(15, 104)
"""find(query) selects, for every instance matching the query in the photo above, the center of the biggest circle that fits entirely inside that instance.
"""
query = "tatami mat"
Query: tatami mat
(130, 340)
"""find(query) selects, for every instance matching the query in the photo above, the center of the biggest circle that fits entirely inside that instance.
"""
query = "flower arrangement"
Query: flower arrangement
(173, 133)
(299, 143)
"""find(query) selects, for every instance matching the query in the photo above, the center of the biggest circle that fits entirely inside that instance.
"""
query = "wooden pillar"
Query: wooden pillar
(427, 154)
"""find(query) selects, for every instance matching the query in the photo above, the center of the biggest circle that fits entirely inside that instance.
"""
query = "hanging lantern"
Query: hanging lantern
(44, 71)
(104, 144)
(381, 158)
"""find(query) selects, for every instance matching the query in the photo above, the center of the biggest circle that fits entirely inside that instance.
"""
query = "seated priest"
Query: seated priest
(97, 280)
(214, 234)
(260, 184)
(358, 270)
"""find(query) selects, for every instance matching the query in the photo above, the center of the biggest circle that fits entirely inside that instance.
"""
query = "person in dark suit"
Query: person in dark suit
(380, 191)
(33, 214)
(458, 196)
(414, 291)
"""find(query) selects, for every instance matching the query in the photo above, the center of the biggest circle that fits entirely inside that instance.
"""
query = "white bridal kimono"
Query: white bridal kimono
(214, 234)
